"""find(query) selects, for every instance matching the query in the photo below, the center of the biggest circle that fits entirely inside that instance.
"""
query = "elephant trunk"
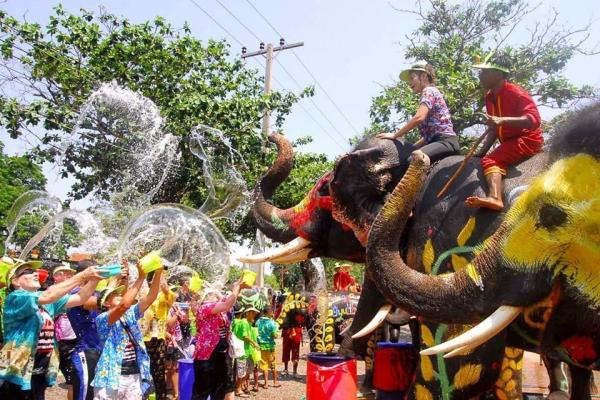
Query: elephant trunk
(272, 221)
(435, 298)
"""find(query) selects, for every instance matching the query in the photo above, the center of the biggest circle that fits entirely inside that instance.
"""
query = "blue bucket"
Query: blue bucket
(186, 378)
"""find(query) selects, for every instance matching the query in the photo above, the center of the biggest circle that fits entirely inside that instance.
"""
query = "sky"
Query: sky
(353, 48)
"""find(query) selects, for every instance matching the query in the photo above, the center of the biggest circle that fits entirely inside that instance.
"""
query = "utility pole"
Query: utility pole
(268, 53)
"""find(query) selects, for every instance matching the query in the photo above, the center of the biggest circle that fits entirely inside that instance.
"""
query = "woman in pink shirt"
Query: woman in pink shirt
(213, 368)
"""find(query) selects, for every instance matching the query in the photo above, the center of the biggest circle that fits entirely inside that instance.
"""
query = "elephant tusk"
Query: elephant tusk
(375, 322)
(477, 335)
(294, 257)
(398, 317)
(289, 248)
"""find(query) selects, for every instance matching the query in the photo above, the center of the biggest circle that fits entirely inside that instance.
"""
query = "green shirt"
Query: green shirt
(267, 331)
(241, 328)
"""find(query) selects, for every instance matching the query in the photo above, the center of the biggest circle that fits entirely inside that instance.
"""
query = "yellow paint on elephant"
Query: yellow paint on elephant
(556, 223)
(428, 256)
(474, 275)
(426, 336)
(466, 232)
(422, 393)
(501, 395)
(467, 375)
(458, 262)
(513, 352)
(427, 369)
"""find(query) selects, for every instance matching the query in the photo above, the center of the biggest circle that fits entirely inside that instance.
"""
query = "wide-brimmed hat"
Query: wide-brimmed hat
(342, 265)
(63, 267)
(250, 309)
(108, 292)
(491, 62)
(18, 264)
(418, 66)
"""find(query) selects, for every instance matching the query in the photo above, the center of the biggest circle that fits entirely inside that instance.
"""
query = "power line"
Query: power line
(307, 70)
(215, 21)
(238, 20)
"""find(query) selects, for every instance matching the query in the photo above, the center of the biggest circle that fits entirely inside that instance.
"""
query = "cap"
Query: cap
(417, 66)
(63, 267)
(35, 264)
(108, 292)
(490, 63)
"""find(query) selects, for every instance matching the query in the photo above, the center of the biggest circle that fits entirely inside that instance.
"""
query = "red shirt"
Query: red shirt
(342, 281)
(514, 101)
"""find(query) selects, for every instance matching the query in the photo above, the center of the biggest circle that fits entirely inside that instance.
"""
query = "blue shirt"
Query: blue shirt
(267, 329)
(114, 339)
(83, 323)
(22, 325)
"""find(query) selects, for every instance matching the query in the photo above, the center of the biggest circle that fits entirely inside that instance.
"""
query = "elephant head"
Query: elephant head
(337, 210)
(550, 238)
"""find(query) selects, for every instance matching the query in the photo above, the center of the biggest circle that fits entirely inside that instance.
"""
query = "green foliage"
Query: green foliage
(292, 276)
(272, 281)
(53, 69)
(234, 274)
(452, 34)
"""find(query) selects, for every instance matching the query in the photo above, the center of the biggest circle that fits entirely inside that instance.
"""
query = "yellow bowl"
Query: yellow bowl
(248, 277)
(151, 261)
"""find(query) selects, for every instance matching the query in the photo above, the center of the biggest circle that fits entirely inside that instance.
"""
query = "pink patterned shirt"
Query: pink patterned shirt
(207, 330)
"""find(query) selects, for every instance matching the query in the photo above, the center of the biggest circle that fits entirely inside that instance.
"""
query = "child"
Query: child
(267, 332)
(242, 329)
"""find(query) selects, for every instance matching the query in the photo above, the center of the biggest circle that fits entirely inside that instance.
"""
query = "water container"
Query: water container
(151, 261)
(186, 378)
(330, 377)
(249, 277)
(106, 271)
(394, 367)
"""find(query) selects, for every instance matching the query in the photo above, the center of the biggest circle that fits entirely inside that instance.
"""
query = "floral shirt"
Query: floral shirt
(438, 121)
(114, 338)
(207, 328)
(22, 325)
(174, 332)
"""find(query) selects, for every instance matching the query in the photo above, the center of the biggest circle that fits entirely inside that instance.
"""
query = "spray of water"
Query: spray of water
(31, 201)
(228, 197)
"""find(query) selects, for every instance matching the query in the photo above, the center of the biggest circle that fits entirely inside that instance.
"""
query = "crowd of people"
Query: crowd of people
(123, 340)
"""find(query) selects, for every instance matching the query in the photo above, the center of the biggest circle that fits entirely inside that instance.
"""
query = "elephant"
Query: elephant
(440, 236)
(534, 279)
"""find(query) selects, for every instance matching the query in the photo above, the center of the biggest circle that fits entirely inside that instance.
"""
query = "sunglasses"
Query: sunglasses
(25, 271)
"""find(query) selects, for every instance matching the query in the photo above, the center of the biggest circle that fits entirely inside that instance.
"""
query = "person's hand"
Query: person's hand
(386, 135)
(493, 120)
(90, 273)
(240, 282)
(124, 269)
(141, 273)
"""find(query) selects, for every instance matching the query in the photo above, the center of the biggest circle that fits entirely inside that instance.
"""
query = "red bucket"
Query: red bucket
(395, 365)
(330, 377)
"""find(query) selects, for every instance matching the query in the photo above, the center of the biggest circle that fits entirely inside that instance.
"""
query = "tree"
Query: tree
(52, 70)
(452, 35)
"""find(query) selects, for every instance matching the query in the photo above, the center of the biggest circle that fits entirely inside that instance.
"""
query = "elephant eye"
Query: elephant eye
(551, 217)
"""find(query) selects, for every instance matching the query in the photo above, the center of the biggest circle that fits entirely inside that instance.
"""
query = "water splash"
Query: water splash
(228, 197)
(120, 121)
(185, 237)
(29, 202)
(94, 241)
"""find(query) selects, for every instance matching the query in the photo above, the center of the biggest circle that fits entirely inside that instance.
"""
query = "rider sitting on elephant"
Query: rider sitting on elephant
(438, 139)
(513, 118)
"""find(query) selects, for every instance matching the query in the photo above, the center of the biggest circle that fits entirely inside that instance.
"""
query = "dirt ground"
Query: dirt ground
(535, 380)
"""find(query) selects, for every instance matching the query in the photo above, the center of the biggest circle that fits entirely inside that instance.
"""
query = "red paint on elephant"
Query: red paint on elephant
(580, 348)
(313, 202)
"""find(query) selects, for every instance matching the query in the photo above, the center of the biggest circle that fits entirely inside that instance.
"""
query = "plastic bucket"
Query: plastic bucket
(186, 378)
(42, 275)
(107, 271)
(195, 284)
(394, 366)
(151, 261)
(330, 377)
(248, 277)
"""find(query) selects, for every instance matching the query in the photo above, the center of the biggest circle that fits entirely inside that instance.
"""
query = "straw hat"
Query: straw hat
(63, 267)
(18, 264)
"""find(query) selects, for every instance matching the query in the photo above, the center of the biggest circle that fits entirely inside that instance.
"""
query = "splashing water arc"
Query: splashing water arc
(183, 235)
(28, 202)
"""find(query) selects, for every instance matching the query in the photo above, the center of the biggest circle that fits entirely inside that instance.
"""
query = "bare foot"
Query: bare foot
(485, 202)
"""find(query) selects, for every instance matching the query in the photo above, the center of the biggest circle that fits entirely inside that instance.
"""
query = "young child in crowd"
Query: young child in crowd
(267, 332)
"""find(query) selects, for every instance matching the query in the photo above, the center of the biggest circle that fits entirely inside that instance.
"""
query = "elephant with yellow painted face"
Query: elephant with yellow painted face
(535, 282)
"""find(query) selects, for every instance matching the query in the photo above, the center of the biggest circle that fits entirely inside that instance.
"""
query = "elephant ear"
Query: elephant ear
(362, 180)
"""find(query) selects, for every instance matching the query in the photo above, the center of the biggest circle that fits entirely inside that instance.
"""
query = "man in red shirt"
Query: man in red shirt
(514, 119)
(342, 280)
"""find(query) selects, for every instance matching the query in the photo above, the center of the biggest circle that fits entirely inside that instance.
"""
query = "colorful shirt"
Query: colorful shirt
(207, 328)
(63, 328)
(514, 101)
(154, 322)
(241, 328)
(438, 121)
(267, 330)
(114, 339)
(23, 323)
(174, 331)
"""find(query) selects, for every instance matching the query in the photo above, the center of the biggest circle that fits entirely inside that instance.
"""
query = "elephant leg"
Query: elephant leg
(580, 383)
(510, 383)
(559, 383)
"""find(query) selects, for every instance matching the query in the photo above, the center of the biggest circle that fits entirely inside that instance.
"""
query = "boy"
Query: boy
(242, 329)
(267, 332)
